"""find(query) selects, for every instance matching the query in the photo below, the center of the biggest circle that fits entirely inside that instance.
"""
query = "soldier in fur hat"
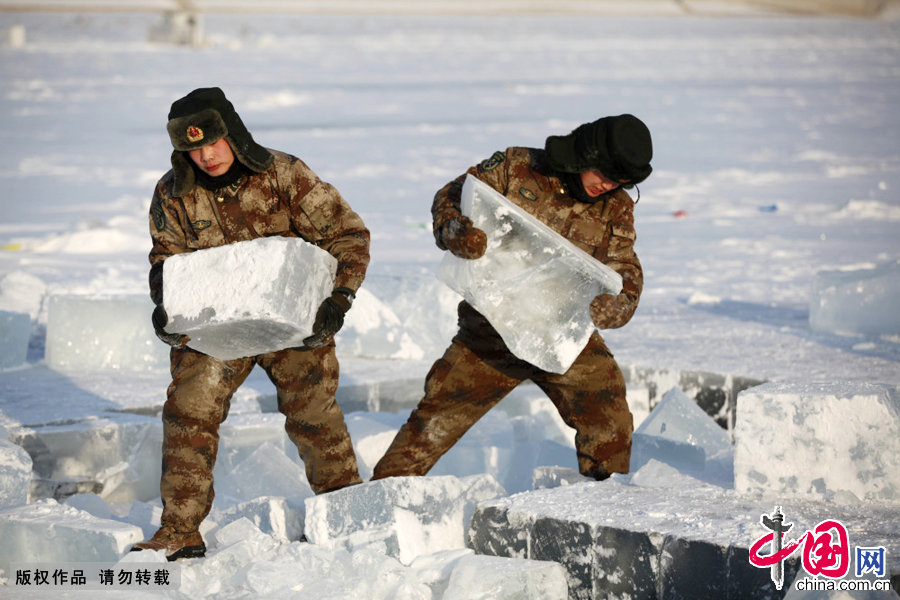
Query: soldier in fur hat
(575, 186)
(224, 188)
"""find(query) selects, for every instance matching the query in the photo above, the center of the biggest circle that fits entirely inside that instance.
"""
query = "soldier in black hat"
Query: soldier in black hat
(576, 186)
(225, 188)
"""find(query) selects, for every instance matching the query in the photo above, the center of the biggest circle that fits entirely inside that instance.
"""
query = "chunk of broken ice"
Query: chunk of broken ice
(405, 517)
(534, 286)
(273, 515)
(247, 298)
(679, 419)
(266, 472)
(500, 578)
(679, 455)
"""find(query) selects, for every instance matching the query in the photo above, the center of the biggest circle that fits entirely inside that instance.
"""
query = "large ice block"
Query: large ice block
(48, 532)
(119, 452)
(859, 301)
(796, 439)
(534, 286)
(103, 332)
(690, 540)
(247, 298)
(405, 517)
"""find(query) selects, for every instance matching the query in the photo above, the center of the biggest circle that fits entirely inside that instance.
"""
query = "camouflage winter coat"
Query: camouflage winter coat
(604, 229)
(286, 200)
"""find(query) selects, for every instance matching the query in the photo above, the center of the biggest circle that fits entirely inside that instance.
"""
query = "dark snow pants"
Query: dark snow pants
(198, 402)
(477, 371)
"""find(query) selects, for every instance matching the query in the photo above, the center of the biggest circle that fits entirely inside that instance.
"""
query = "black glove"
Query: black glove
(160, 319)
(460, 236)
(330, 317)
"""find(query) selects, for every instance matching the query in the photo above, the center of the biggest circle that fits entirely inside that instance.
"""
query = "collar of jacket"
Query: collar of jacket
(183, 171)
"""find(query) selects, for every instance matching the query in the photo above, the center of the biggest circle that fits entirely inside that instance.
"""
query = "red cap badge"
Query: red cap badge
(194, 134)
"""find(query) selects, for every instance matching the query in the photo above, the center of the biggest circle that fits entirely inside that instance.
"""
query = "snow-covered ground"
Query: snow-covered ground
(776, 155)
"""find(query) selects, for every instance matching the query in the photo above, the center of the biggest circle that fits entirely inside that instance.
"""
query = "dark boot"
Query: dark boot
(176, 544)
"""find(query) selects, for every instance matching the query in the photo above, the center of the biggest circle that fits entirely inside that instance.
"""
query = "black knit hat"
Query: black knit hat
(204, 117)
(619, 147)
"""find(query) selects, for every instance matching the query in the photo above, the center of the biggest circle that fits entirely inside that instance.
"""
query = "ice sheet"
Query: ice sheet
(534, 286)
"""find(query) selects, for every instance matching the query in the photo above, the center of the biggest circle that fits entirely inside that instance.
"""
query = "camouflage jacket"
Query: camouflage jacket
(604, 229)
(287, 200)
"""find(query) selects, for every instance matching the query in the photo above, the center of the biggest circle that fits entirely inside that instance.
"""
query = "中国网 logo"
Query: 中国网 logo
(825, 552)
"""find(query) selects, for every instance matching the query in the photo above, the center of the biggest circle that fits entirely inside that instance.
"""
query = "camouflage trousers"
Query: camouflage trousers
(474, 376)
(198, 401)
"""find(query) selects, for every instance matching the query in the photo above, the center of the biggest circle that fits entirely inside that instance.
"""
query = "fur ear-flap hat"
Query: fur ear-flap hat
(619, 147)
(204, 117)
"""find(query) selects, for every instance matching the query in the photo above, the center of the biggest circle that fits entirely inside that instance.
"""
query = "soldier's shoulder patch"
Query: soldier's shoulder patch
(158, 215)
(527, 194)
(493, 162)
(200, 225)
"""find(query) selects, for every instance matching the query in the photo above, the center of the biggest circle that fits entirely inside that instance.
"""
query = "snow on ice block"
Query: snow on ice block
(48, 532)
(859, 301)
(405, 517)
(822, 439)
(534, 286)
(553, 476)
(15, 332)
(15, 472)
(499, 578)
(247, 298)
(690, 540)
(103, 332)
